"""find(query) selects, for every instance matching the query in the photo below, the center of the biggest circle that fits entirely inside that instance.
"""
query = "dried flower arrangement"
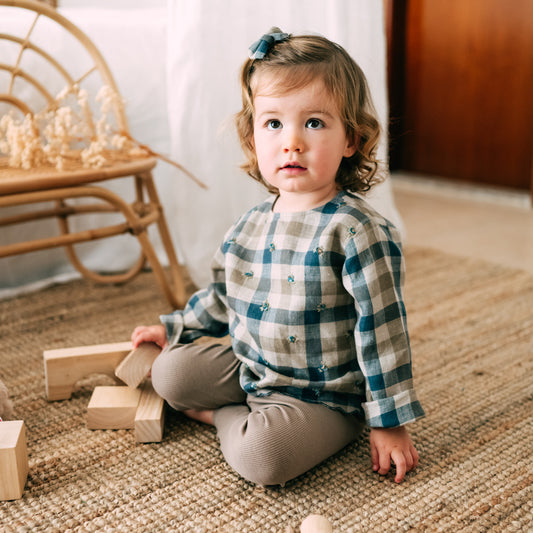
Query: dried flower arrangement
(67, 136)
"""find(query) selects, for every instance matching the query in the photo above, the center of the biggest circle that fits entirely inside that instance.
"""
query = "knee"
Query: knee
(170, 375)
(271, 468)
(260, 457)
(262, 467)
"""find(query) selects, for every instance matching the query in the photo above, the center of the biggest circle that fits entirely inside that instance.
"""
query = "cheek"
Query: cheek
(327, 159)
(263, 148)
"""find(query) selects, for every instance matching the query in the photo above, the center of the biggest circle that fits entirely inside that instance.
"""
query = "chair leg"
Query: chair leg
(177, 278)
(174, 299)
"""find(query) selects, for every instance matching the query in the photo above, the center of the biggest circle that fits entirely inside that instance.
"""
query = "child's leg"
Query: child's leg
(276, 438)
(197, 376)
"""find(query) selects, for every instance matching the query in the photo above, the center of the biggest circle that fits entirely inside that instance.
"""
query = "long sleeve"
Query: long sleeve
(312, 302)
(206, 312)
(373, 274)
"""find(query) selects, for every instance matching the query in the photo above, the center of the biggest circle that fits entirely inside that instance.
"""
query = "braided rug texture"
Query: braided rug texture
(471, 326)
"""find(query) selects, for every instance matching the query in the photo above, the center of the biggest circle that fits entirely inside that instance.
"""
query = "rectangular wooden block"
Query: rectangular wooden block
(64, 367)
(136, 365)
(13, 459)
(150, 417)
(113, 408)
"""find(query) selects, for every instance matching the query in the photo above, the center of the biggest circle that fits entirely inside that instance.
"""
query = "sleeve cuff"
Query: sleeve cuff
(174, 326)
(393, 411)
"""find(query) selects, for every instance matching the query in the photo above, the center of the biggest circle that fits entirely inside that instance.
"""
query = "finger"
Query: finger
(401, 465)
(375, 458)
(409, 460)
(134, 337)
(384, 464)
(136, 332)
(141, 336)
(415, 457)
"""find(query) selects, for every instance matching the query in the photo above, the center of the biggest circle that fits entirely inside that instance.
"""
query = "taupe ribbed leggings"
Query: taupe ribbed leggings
(267, 440)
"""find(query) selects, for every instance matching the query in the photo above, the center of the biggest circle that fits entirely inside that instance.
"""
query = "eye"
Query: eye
(273, 124)
(314, 124)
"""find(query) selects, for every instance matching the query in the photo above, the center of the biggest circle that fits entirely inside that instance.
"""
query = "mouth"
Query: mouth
(293, 166)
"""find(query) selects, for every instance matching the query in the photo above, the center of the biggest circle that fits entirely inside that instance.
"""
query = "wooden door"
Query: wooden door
(461, 89)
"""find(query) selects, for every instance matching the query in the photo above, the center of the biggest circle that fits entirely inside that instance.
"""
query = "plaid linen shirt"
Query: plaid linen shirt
(312, 302)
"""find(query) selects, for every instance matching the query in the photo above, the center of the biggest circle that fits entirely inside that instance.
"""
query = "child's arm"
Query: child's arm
(394, 444)
(155, 334)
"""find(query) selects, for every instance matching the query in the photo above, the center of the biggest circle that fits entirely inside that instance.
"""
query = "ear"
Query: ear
(352, 143)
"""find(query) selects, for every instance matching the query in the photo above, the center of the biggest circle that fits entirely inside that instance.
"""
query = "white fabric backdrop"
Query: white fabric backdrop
(204, 59)
(177, 68)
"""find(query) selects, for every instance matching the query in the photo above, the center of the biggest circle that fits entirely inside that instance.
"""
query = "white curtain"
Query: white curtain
(177, 67)
(207, 43)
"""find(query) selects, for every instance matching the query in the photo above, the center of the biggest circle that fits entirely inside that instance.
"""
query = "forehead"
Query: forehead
(269, 87)
(280, 81)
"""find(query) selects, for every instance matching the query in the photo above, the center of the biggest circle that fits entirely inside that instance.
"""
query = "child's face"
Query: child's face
(300, 140)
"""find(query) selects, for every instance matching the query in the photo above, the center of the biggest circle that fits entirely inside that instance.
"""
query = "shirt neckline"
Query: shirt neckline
(337, 199)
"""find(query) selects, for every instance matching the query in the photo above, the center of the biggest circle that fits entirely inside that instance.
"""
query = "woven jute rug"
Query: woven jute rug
(471, 326)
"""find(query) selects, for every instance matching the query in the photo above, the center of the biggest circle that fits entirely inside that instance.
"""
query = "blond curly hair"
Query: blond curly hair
(294, 63)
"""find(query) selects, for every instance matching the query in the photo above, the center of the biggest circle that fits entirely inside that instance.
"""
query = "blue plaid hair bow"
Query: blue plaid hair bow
(260, 48)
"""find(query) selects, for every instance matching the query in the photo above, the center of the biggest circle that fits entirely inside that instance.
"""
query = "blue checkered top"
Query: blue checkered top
(313, 304)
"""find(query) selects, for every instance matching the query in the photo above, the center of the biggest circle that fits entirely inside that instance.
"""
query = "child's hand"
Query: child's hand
(155, 334)
(394, 444)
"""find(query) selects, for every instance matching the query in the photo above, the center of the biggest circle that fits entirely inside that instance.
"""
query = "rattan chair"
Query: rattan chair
(65, 188)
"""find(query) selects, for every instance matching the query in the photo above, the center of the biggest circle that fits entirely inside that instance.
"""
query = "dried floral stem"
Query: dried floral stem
(63, 133)
(166, 160)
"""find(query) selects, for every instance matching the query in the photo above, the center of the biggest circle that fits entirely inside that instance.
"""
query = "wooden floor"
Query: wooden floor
(476, 222)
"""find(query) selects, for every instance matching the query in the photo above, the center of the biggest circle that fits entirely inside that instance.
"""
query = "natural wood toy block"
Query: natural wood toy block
(136, 365)
(150, 417)
(13, 459)
(113, 408)
(64, 367)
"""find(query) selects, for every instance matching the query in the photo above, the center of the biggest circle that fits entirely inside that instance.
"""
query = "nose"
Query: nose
(293, 141)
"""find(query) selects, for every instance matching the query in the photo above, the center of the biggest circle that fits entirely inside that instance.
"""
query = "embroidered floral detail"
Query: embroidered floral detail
(292, 339)
(272, 247)
(323, 367)
(290, 279)
(341, 203)
(320, 307)
(265, 306)
(232, 241)
(319, 250)
(352, 231)
(249, 274)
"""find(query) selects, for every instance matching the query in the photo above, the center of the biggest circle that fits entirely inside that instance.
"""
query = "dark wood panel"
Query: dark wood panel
(467, 90)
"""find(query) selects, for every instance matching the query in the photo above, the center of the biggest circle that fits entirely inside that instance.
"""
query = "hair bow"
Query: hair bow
(261, 47)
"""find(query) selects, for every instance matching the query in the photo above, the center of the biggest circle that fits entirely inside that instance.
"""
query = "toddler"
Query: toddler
(307, 284)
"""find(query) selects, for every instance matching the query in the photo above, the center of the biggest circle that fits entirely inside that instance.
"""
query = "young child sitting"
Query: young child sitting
(307, 284)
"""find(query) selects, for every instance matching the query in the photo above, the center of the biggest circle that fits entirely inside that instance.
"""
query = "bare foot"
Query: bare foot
(205, 416)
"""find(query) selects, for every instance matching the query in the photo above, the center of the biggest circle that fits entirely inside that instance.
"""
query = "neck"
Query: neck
(294, 202)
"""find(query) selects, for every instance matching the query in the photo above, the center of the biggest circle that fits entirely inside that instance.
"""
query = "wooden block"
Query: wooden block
(64, 367)
(13, 459)
(150, 417)
(113, 408)
(136, 365)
